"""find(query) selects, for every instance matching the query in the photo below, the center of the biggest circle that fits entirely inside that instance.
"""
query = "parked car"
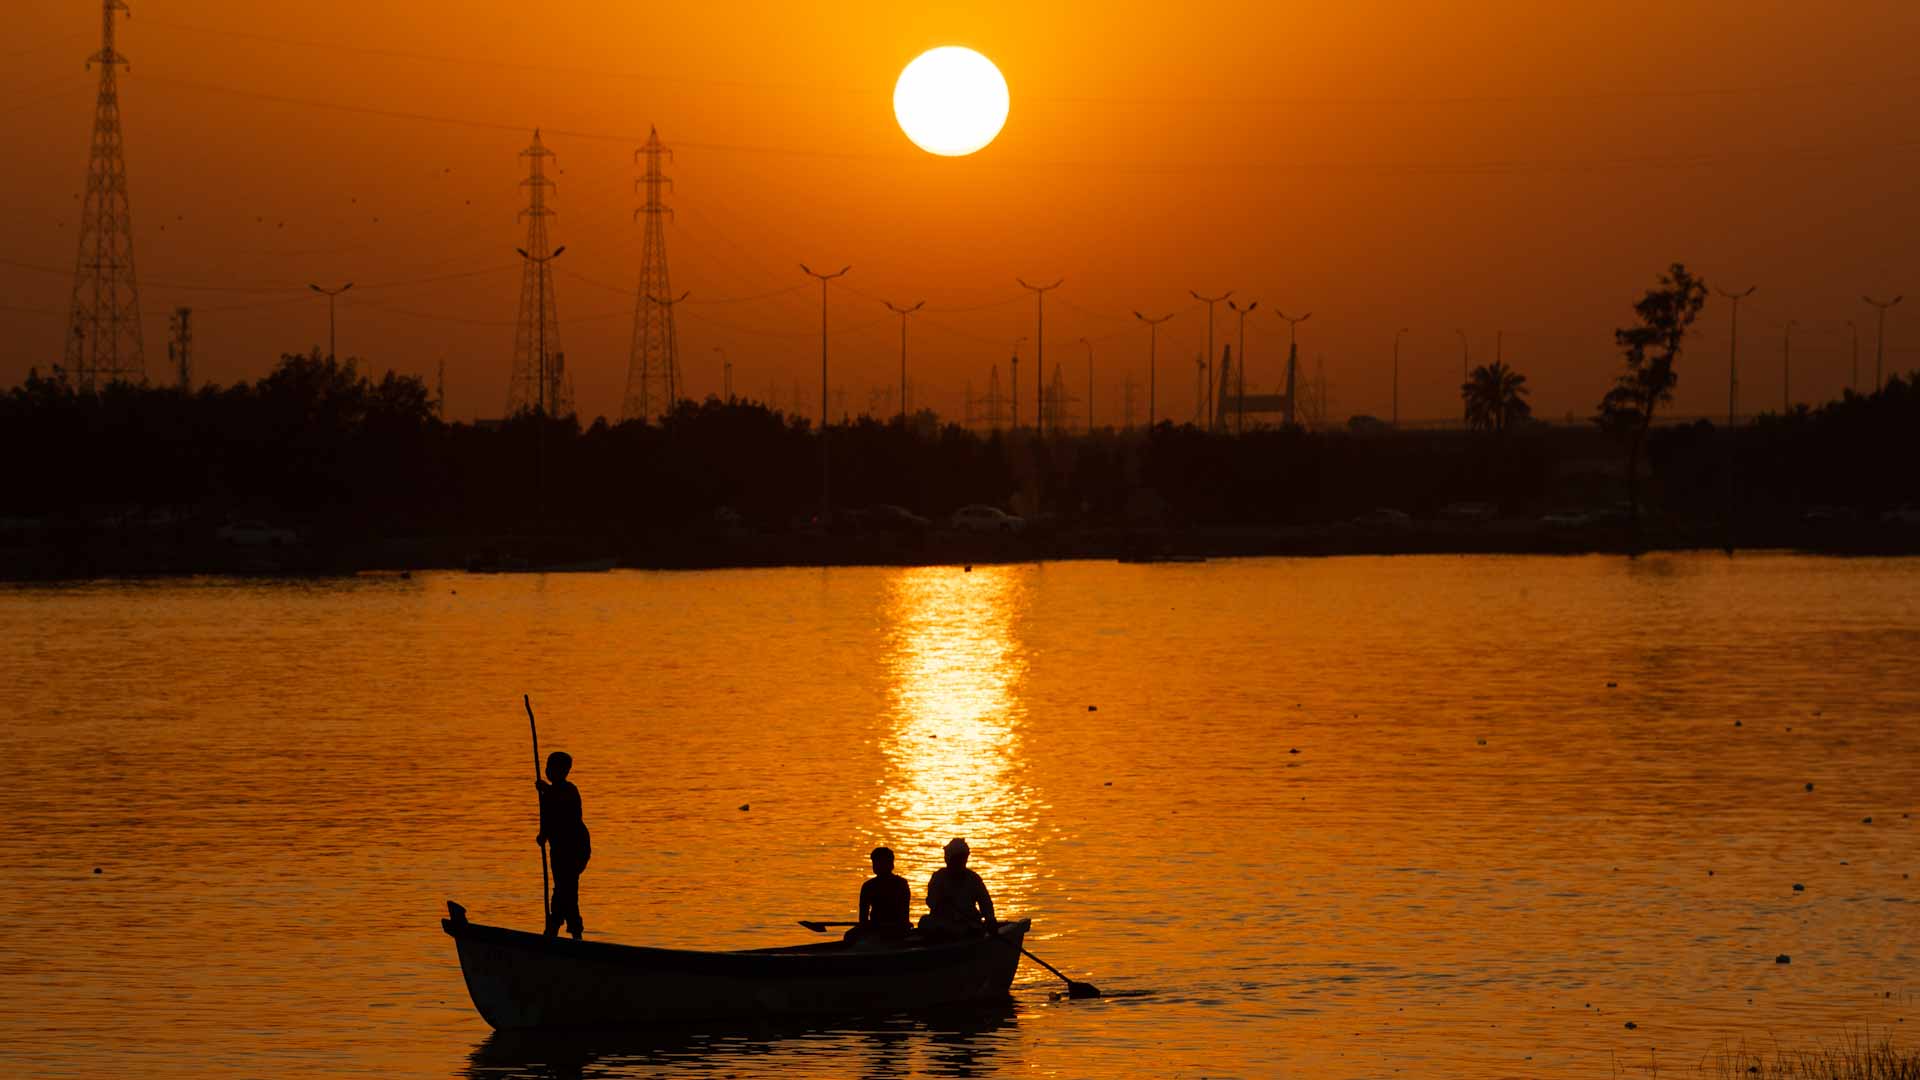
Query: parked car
(978, 518)
(1385, 518)
(1566, 519)
(256, 534)
(1469, 511)
(888, 518)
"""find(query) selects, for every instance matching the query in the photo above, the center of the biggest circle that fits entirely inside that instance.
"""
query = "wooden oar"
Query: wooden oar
(546, 888)
(1075, 989)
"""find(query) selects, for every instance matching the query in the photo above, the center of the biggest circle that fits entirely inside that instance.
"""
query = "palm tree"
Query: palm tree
(1496, 397)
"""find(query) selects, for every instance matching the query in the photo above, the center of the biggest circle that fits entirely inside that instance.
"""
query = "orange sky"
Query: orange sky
(1487, 166)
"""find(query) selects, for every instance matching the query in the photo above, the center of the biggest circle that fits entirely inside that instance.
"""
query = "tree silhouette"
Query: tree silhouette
(1496, 397)
(1650, 350)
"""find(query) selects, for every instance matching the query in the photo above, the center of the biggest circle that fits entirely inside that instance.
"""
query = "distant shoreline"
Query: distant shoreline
(88, 553)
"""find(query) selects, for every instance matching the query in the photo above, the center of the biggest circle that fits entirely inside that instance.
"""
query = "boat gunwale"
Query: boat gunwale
(779, 962)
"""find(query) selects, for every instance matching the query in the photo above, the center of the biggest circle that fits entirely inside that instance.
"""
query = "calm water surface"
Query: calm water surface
(1343, 817)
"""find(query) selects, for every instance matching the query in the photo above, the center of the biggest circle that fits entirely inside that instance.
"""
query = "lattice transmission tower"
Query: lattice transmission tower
(104, 344)
(540, 384)
(653, 367)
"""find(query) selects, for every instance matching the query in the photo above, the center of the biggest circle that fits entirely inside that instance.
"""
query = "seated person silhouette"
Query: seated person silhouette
(564, 834)
(958, 904)
(885, 900)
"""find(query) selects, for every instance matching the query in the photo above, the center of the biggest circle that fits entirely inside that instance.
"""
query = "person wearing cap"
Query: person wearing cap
(957, 900)
(885, 902)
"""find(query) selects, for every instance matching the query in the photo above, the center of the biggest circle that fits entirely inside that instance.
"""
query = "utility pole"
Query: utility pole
(1293, 355)
(903, 312)
(1733, 390)
(1015, 349)
(726, 374)
(1466, 374)
(1396, 375)
(826, 455)
(440, 393)
(547, 394)
(104, 341)
(330, 294)
(1153, 345)
(1240, 389)
(1040, 343)
(1733, 351)
(1089, 346)
(1880, 340)
(1207, 399)
(1786, 368)
(1853, 381)
(180, 349)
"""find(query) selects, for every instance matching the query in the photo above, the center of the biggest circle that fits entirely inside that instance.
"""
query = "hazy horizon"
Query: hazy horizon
(1505, 168)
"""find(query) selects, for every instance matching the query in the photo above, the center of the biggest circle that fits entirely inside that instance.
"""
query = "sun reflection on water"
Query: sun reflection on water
(956, 671)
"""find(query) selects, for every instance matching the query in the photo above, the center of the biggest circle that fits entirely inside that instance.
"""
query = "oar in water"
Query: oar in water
(1075, 989)
(546, 889)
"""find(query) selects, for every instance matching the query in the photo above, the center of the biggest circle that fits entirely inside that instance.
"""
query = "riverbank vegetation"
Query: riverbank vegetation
(334, 453)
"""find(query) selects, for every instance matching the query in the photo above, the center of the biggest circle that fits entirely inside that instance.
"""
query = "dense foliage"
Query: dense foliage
(328, 448)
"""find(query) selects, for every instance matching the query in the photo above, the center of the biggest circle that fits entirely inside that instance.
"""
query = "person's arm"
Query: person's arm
(986, 906)
(866, 904)
(543, 788)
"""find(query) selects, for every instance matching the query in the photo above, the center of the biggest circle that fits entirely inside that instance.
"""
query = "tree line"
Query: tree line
(321, 445)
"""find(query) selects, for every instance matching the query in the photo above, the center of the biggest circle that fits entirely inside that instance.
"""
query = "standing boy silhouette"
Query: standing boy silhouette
(564, 835)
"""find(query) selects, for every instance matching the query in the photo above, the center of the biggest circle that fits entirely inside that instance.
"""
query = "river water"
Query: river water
(1329, 817)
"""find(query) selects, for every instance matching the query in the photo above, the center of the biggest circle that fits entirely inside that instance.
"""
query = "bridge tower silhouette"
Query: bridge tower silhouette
(540, 384)
(104, 343)
(653, 366)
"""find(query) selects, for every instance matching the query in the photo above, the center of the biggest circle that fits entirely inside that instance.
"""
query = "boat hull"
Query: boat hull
(523, 981)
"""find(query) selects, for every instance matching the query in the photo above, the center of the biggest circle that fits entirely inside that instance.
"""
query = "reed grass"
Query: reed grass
(1859, 1057)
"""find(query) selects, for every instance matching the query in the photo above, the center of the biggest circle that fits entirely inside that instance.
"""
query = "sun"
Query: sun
(950, 101)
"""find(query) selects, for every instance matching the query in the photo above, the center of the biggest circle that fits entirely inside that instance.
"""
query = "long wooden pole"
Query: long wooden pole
(546, 888)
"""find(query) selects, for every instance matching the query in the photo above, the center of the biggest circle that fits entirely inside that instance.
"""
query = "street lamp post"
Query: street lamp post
(1040, 345)
(1786, 368)
(330, 294)
(1015, 362)
(826, 456)
(1240, 377)
(1733, 350)
(1293, 353)
(1206, 406)
(1089, 346)
(541, 261)
(1880, 338)
(1853, 332)
(1396, 375)
(903, 312)
(1153, 344)
(1466, 372)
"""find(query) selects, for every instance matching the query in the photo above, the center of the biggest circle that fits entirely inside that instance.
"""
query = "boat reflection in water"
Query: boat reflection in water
(971, 1041)
(957, 670)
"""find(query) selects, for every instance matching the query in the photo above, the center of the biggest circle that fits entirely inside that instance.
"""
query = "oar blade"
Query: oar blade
(1082, 990)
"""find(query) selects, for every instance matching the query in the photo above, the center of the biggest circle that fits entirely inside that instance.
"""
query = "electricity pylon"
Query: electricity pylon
(653, 366)
(104, 343)
(180, 347)
(539, 384)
